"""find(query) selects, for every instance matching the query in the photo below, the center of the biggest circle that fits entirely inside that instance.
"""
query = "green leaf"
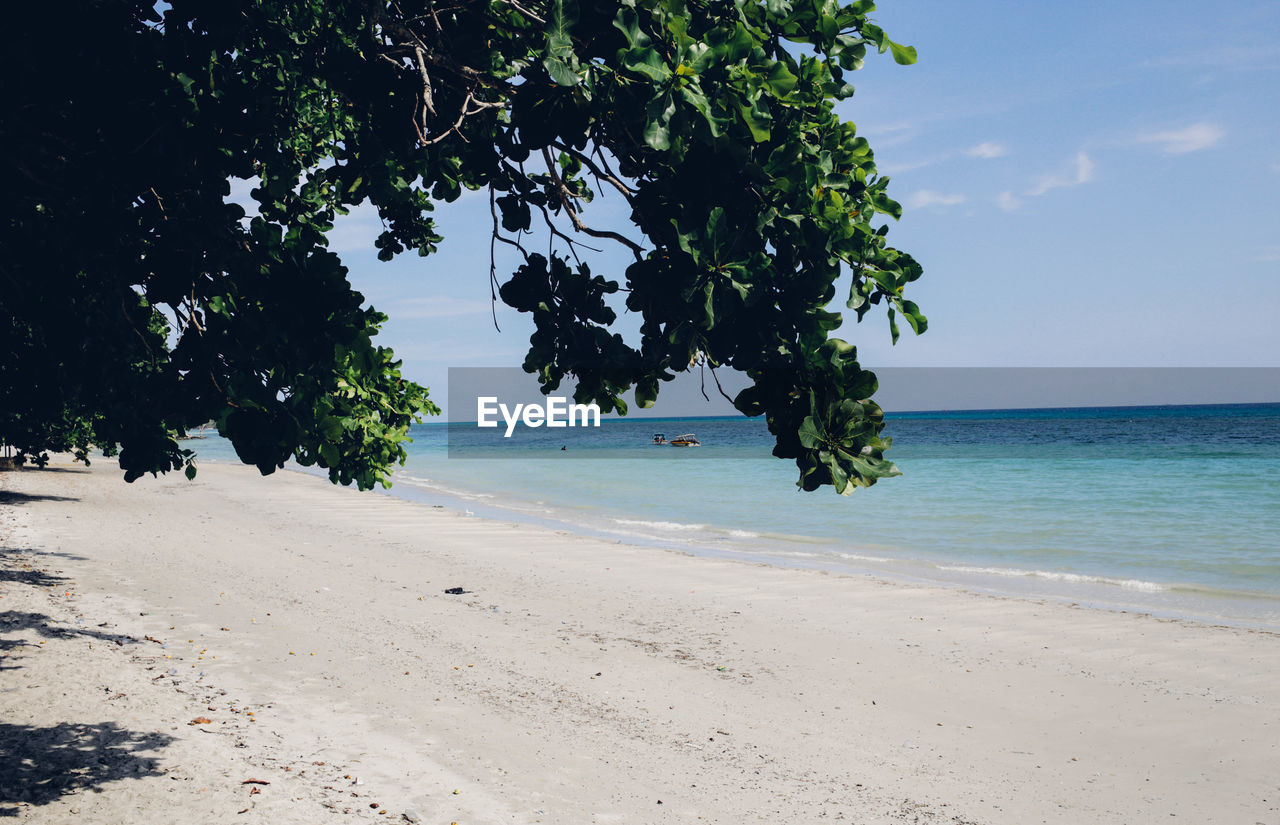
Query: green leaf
(781, 80)
(560, 72)
(811, 434)
(887, 205)
(628, 22)
(839, 476)
(757, 122)
(657, 135)
(656, 131)
(856, 296)
(694, 97)
(738, 45)
(564, 13)
(717, 233)
(646, 393)
(902, 55)
(646, 61)
(914, 317)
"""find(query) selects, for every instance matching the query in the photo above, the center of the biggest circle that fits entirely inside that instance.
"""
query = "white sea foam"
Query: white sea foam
(1074, 578)
(658, 525)
(744, 534)
(428, 484)
(858, 557)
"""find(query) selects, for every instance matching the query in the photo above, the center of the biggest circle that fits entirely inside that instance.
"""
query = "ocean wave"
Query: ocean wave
(658, 525)
(858, 557)
(744, 534)
(454, 492)
(1074, 578)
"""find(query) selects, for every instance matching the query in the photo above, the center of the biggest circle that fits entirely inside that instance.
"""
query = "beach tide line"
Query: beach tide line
(659, 525)
(1074, 578)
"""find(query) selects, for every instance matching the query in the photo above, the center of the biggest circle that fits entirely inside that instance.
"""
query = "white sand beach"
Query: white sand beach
(577, 680)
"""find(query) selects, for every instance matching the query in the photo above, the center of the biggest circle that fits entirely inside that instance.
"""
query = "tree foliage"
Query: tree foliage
(150, 302)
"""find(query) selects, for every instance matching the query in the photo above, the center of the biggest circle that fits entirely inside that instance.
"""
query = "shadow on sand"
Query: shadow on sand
(38, 765)
(76, 469)
(18, 621)
(13, 497)
(35, 578)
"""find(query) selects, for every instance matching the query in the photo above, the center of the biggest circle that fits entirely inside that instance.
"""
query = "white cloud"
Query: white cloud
(1084, 168)
(1193, 138)
(1225, 55)
(987, 150)
(1008, 201)
(899, 168)
(892, 134)
(1082, 173)
(928, 197)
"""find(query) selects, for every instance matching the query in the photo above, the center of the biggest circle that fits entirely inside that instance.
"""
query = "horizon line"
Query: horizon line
(615, 417)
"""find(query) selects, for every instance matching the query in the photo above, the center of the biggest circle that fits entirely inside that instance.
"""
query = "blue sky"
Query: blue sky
(1086, 184)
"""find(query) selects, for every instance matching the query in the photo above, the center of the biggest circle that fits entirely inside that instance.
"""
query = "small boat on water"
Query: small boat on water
(686, 440)
(185, 435)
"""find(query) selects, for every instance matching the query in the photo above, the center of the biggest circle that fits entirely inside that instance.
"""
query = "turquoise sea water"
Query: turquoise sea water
(1173, 510)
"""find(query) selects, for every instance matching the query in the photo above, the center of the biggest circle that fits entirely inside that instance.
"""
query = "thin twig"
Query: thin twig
(513, 4)
(427, 99)
(556, 233)
(194, 309)
(493, 263)
(124, 310)
(717, 380)
(462, 115)
(601, 174)
(564, 194)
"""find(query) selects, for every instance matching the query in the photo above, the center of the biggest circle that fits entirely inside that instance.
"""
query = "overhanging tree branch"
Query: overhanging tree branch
(565, 195)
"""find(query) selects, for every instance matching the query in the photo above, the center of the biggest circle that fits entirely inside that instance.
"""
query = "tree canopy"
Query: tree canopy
(136, 298)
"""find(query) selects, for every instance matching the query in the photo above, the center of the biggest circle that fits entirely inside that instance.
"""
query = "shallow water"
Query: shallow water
(1173, 510)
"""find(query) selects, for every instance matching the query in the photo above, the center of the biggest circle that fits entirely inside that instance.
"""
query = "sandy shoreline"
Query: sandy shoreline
(579, 680)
